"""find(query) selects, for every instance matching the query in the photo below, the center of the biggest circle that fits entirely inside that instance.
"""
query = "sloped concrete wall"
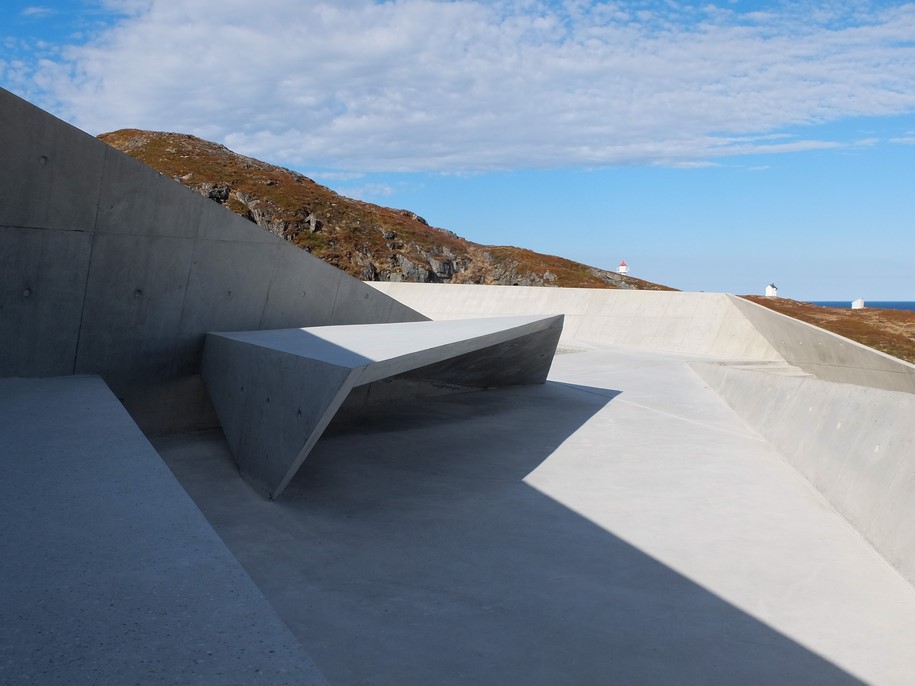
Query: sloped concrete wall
(110, 268)
(856, 445)
(826, 355)
(693, 323)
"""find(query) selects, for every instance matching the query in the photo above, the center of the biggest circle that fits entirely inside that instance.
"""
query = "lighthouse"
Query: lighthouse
(623, 268)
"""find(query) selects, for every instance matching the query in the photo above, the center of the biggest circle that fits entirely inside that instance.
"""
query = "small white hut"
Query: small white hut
(771, 291)
(857, 304)
(623, 268)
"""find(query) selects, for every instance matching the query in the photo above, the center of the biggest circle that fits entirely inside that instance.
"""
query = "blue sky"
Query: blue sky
(713, 146)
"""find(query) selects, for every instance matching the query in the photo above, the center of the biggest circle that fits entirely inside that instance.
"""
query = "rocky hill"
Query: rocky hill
(370, 242)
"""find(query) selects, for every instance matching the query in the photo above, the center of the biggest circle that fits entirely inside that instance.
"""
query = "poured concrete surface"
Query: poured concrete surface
(276, 391)
(618, 525)
(109, 574)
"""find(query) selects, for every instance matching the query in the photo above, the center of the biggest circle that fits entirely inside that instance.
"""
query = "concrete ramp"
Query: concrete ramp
(692, 323)
(110, 573)
(856, 445)
(276, 391)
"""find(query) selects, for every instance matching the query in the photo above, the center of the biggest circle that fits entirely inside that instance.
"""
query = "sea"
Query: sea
(881, 304)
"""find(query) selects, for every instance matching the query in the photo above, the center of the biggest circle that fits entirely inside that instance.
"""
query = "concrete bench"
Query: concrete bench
(276, 391)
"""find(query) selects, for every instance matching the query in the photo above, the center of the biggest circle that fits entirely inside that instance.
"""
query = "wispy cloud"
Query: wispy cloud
(687, 164)
(473, 85)
(334, 175)
(37, 11)
(368, 191)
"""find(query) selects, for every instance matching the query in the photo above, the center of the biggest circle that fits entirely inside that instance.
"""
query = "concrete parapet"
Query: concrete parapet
(276, 391)
(826, 355)
(856, 445)
(693, 323)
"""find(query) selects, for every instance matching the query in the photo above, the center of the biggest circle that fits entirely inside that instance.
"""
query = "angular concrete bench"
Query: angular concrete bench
(276, 391)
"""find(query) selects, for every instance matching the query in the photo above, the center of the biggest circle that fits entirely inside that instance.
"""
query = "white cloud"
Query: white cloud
(36, 11)
(368, 191)
(334, 175)
(469, 85)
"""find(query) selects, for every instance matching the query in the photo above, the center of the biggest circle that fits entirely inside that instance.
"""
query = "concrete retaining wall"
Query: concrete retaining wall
(856, 445)
(110, 268)
(693, 323)
(826, 355)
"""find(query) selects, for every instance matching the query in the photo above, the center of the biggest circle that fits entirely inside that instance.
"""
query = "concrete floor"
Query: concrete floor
(619, 525)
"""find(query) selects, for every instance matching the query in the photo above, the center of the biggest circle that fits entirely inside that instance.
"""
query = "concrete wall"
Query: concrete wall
(693, 323)
(856, 445)
(110, 268)
(826, 355)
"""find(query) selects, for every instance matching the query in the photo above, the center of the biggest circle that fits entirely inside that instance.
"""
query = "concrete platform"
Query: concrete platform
(109, 572)
(618, 525)
(276, 391)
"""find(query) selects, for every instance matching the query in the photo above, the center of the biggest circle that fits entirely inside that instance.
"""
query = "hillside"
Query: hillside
(889, 331)
(370, 242)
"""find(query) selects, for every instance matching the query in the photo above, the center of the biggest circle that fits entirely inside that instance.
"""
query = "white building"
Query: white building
(857, 304)
(771, 291)
(623, 268)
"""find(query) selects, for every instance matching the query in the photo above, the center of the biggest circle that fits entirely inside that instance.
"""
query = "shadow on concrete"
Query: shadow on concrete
(412, 551)
(607, 393)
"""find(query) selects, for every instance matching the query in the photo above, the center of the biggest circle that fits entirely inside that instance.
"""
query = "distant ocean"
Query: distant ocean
(882, 304)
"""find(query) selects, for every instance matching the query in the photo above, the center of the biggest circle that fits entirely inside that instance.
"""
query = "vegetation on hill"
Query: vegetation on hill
(370, 242)
(889, 331)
